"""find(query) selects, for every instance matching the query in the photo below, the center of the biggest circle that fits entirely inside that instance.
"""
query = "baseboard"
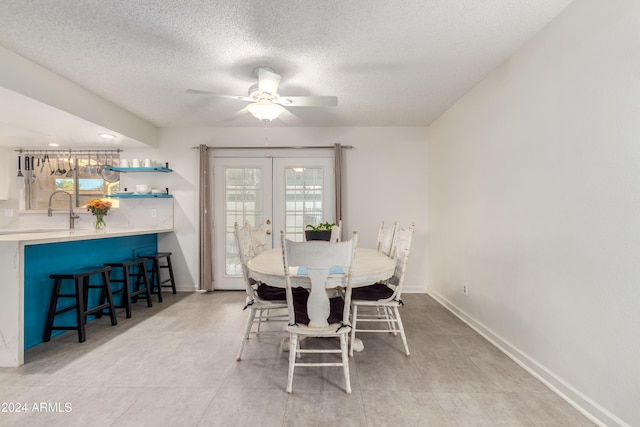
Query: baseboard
(590, 409)
(413, 290)
(185, 289)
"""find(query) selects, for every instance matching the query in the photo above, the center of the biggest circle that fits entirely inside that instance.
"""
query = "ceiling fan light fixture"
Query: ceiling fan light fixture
(265, 110)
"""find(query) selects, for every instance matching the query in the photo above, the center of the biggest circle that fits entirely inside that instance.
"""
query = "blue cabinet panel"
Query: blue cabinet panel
(45, 259)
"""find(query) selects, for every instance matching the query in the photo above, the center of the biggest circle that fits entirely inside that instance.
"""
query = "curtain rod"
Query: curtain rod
(65, 151)
(298, 147)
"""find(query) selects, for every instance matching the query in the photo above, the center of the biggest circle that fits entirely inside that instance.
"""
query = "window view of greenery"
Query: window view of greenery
(303, 195)
(79, 174)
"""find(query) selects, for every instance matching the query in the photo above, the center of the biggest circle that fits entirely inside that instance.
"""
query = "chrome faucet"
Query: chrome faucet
(72, 215)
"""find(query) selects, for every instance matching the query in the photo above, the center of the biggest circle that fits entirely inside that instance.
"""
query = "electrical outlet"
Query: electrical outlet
(154, 213)
(465, 289)
(8, 212)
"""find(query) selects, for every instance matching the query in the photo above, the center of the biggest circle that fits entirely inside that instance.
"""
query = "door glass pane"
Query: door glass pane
(303, 199)
(243, 202)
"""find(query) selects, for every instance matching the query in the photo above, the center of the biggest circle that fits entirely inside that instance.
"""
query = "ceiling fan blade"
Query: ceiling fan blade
(308, 101)
(239, 113)
(289, 118)
(268, 81)
(219, 95)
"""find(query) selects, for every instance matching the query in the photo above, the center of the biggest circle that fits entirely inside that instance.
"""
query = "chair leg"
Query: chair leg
(293, 350)
(345, 362)
(401, 328)
(247, 331)
(390, 320)
(260, 319)
(354, 321)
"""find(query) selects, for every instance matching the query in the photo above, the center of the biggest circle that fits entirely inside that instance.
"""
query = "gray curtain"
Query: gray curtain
(205, 281)
(337, 170)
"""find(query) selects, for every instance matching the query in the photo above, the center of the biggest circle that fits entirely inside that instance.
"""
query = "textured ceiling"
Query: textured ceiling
(390, 63)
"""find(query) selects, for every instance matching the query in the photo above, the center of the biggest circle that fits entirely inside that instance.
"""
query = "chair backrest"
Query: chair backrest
(319, 260)
(250, 243)
(258, 239)
(336, 232)
(386, 236)
(401, 248)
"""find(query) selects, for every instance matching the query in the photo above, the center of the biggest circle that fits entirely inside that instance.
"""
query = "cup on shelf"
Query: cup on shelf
(124, 163)
(147, 163)
(135, 163)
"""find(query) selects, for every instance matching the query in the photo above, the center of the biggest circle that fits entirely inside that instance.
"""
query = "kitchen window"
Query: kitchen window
(80, 173)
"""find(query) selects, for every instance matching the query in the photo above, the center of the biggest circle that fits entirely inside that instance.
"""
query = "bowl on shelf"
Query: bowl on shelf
(143, 189)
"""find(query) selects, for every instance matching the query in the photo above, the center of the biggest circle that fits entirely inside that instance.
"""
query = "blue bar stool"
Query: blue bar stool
(135, 282)
(81, 279)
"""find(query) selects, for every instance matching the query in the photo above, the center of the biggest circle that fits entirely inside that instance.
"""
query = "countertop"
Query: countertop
(37, 236)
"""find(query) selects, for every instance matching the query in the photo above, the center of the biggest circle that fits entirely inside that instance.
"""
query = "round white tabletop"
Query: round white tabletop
(370, 266)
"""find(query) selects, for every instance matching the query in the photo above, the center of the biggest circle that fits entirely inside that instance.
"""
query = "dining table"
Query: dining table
(369, 266)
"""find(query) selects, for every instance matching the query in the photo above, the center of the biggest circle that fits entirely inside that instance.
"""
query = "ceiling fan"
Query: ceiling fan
(265, 102)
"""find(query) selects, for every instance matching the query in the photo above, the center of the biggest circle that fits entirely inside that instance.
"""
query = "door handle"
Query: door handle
(268, 221)
(268, 232)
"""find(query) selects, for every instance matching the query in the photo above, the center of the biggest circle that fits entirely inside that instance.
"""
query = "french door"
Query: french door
(280, 193)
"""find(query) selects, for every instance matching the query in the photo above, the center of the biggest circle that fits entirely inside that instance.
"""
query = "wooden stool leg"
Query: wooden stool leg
(173, 281)
(126, 298)
(137, 286)
(101, 301)
(155, 278)
(144, 275)
(53, 305)
(82, 292)
(107, 289)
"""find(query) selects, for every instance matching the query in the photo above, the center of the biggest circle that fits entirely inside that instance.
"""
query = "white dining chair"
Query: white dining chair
(321, 262)
(336, 232)
(251, 242)
(386, 238)
(379, 303)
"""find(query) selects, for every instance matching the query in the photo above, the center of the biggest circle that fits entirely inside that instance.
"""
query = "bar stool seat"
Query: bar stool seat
(156, 281)
(81, 279)
(135, 282)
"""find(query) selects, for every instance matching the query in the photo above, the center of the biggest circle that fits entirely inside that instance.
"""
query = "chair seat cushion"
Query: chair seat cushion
(372, 292)
(271, 293)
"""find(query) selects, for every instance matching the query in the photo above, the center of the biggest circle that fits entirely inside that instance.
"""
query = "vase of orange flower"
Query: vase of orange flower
(99, 209)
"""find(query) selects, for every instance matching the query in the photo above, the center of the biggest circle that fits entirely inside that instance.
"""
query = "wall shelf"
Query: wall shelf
(153, 169)
(139, 196)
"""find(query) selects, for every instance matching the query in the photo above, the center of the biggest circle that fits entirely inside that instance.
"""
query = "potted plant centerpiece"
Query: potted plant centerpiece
(321, 231)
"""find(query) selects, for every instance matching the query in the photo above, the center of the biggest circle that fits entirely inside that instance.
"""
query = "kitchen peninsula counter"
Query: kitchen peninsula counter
(26, 260)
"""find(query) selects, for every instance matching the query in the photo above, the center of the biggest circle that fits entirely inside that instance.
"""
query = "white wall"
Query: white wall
(5, 173)
(385, 179)
(18, 74)
(535, 204)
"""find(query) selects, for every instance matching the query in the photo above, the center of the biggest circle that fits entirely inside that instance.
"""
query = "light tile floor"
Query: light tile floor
(174, 365)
